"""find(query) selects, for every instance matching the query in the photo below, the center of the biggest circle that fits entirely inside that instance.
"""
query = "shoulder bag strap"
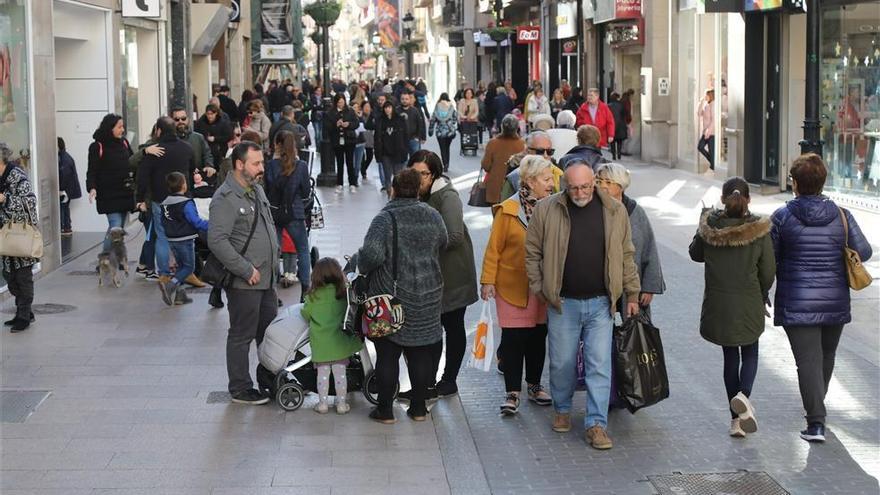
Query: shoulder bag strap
(845, 227)
(253, 224)
(394, 250)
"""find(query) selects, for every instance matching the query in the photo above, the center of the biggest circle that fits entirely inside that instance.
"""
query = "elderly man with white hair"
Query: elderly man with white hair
(614, 179)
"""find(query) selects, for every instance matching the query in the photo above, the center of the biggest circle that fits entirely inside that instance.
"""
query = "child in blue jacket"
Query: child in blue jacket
(182, 225)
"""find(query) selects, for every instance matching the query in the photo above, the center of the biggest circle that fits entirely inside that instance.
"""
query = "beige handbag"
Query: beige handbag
(21, 240)
(856, 274)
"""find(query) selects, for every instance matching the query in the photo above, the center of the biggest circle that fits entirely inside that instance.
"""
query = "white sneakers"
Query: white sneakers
(342, 406)
(352, 189)
(736, 430)
(339, 189)
(741, 405)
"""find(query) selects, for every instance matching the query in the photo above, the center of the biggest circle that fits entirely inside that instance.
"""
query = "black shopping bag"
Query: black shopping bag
(639, 363)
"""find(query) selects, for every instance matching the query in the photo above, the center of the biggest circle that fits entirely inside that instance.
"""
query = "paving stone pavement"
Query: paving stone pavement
(129, 381)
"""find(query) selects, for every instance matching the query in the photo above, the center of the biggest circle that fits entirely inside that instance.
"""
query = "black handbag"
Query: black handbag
(213, 272)
(478, 193)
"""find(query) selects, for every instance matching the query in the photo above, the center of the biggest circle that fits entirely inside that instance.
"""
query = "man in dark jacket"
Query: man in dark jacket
(416, 134)
(68, 185)
(502, 105)
(202, 156)
(177, 157)
(227, 104)
(588, 137)
(287, 122)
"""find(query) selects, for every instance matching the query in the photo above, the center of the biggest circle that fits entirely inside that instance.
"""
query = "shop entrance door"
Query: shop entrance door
(762, 87)
(771, 98)
(631, 79)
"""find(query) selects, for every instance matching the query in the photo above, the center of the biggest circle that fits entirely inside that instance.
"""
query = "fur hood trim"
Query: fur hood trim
(713, 231)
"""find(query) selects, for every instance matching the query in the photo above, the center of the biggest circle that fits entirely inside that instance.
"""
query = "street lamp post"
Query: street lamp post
(498, 7)
(325, 13)
(408, 21)
(812, 142)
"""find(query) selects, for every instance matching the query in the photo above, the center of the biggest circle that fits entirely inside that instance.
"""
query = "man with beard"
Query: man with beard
(202, 156)
(242, 236)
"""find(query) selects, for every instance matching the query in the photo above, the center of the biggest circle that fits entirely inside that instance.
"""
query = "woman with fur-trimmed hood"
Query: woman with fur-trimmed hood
(737, 249)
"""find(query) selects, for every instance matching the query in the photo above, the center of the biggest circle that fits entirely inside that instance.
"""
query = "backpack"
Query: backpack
(276, 193)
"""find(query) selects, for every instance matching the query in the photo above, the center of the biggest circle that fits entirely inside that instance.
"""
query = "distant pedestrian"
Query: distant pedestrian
(522, 315)
(418, 285)
(580, 275)
(575, 100)
(182, 225)
(228, 105)
(445, 122)
(110, 178)
(238, 207)
(391, 143)
(324, 310)
(456, 265)
(620, 127)
(557, 103)
(498, 151)
(68, 186)
(257, 121)
(416, 133)
(812, 293)
(587, 149)
(340, 127)
(216, 130)
(539, 106)
(706, 144)
(17, 205)
(596, 113)
(368, 118)
(502, 105)
(736, 248)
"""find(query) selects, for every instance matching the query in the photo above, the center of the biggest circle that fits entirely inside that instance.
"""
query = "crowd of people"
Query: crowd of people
(568, 249)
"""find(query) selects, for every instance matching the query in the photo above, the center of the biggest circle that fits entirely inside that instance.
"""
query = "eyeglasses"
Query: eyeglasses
(543, 151)
(425, 174)
(604, 181)
(583, 188)
(180, 119)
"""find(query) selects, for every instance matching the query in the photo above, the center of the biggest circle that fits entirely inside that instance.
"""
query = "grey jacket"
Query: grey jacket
(421, 237)
(231, 215)
(646, 256)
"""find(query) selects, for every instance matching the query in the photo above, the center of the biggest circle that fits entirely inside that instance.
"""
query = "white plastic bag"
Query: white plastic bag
(483, 350)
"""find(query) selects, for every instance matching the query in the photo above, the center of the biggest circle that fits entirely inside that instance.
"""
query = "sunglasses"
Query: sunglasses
(542, 151)
(180, 119)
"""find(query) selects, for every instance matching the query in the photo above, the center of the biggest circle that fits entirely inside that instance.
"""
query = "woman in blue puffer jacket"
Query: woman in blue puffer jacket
(812, 293)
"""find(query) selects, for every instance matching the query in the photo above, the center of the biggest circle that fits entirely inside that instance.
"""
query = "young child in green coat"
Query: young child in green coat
(324, 309)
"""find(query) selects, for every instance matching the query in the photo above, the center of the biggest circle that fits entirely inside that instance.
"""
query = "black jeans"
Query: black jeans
(419, 363)
(250, 312)
(740, 369)
(456, 341)
(21, 285)
(814, 349)
(65, 216)
(345, 162)
(617, 148)
(444, 143)
(707, 142)
(518, 344)
(368, 159)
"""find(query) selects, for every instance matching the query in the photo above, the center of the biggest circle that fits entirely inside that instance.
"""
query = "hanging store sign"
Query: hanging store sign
(588, 9)
(140, 8)
(528, 35)
(569, 48)
(762, 5)
(615, 10)
(235, 15)
(626, 34)
(275, 22)
(723, 6)
(276, 52)
(421, 58)
(566, 20)
(455, 38)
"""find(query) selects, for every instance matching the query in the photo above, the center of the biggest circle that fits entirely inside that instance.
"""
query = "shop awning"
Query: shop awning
(208, 24)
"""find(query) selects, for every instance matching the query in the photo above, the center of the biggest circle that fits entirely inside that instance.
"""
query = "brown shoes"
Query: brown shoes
(598, 438)
(194, 281)
(562, 423)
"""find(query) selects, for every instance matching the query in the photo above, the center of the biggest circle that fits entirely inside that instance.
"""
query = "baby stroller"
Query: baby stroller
(470, 140)
(286, 371)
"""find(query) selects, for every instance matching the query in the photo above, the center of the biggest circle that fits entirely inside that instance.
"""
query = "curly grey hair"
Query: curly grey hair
(5, 153)
(510, 126)
(614, 172)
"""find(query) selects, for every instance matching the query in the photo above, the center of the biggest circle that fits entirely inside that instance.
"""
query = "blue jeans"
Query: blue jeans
(359, 151)
(185, 254)
(113, 220)
(300, 237)
(316, 126)
(148, 250)
(414, 145)
(590, 320)
(382, 179)
(162, 248)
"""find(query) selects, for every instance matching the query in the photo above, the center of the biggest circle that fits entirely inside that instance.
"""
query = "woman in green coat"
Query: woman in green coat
(456, 266)
(740, 267)
(324, 310)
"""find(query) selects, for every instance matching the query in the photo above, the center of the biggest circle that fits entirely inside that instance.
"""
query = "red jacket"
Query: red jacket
(604, 121)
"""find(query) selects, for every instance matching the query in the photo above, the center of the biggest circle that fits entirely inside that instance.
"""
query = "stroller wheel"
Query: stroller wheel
(290, 397)
(371, 388)
(314, 255)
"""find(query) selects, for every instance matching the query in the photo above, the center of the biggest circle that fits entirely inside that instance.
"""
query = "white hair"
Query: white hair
(614, 172)
(566, 119)
(532, 165)
(530, 140)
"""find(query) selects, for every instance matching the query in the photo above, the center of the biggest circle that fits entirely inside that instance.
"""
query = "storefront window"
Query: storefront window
(128, 40)
(851, 97)
(14, 110)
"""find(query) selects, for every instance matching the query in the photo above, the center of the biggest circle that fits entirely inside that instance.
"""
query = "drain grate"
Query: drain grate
(45, 309)
(17, 405)
(219, 398)
(738, 483)
(83, 273)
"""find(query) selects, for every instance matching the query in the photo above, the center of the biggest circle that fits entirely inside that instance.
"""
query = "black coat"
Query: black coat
(390, 142)
(68, 180)
(229, 107)
(221, 130)
(618, 112)
(332, 132)
(152, 170)
(110, 175)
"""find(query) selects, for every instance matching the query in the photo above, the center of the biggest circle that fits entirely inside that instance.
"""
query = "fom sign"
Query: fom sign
(528, 34)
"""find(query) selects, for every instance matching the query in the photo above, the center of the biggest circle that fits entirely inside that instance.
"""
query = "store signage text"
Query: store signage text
(628, 9)
(140, 8)
(528, 34)
(626, 34)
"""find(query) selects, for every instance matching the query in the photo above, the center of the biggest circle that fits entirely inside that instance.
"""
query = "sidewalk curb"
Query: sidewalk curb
(458, 450)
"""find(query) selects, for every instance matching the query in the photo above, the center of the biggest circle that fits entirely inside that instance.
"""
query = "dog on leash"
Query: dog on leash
(108, 268)
(118, 249)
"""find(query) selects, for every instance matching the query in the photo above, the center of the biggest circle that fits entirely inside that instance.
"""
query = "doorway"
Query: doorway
(761, 129)
(630, 79)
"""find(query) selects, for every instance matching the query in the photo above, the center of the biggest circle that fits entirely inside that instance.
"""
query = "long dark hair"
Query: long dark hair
(285, 142)
(104, 132)
(735, 196)
(327, 271)
(429, 158)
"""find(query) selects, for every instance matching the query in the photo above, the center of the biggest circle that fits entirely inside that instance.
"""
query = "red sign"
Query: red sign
(527, 35)
(627, 9)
